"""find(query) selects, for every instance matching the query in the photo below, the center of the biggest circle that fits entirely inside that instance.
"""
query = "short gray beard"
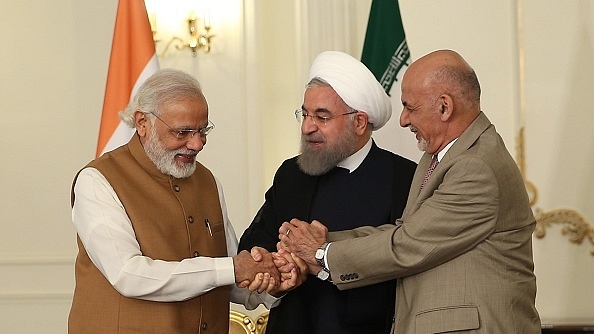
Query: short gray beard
(164, 159)
(320, 161)
(422, 143)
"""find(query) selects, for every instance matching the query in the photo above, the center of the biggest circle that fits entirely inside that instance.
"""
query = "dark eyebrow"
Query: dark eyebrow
(319, 110)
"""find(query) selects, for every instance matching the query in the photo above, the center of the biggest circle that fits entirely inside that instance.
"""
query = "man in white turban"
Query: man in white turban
(355, 84)
(341, 178)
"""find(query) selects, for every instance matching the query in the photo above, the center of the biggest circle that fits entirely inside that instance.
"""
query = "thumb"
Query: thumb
(256, 254)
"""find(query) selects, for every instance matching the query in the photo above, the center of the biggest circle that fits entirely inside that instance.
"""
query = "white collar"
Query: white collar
(354, 161)
(443, 152)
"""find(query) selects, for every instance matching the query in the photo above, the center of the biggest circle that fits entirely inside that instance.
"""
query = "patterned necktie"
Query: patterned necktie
(430, 170)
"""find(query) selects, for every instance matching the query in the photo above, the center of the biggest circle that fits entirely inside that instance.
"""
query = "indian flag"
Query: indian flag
(133, 59)
(386, 54)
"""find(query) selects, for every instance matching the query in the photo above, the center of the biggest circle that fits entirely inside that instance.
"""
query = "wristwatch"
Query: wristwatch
(320, 253)
(323, 274)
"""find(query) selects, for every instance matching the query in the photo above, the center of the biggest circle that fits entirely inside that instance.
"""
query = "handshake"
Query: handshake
(278, 272)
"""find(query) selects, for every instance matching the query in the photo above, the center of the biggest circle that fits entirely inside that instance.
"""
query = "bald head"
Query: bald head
(446, 72)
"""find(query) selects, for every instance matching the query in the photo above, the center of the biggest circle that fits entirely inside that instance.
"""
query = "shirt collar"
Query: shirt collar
(443, 152)
(354, 161)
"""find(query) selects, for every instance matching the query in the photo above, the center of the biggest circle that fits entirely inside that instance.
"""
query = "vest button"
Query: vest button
(196, 254)
(204, 326)
(176, 188)
(190, 219)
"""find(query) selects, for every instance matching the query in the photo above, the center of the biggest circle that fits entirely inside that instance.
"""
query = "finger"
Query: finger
(288, 264)
(290, 283)
(293, 281)
(265, 283)
(280, 256)
(287, 276)
(286, 268)
(256, 253)
(280, 263)
(273, 284)
(243, 284)
(305, 267)
(283, 243)
(284, 228)
(301, 264)
(256, 283)
(282, 246)
(283, 238)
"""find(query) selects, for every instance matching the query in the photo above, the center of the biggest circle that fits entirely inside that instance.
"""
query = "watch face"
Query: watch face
(323, 275)
(319, 254)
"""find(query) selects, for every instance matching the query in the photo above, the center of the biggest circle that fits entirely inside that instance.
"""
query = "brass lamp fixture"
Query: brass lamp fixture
(199, 40)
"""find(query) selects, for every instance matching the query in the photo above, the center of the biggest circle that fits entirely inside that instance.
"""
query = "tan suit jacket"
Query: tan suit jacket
(462, 250)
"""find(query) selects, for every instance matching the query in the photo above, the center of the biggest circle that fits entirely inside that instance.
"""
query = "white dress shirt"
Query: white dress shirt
(109, 239)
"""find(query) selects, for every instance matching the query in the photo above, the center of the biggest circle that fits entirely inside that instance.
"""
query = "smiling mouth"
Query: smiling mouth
(187, 158)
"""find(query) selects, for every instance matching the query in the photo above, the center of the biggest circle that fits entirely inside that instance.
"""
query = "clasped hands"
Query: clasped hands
(284, 270)
(275, 273)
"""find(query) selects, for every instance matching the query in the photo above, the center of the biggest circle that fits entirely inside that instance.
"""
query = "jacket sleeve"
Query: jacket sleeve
(461, 212)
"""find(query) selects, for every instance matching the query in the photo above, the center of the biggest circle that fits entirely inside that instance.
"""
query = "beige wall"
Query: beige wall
(52, 75)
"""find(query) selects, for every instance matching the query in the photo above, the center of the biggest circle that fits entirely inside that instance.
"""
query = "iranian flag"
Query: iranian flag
(386, 54)
(133, 59)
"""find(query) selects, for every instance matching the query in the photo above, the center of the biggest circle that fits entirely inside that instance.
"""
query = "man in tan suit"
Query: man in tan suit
(462, 250)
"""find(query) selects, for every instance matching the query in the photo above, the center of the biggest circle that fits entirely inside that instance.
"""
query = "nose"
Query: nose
(308, 125)
(404, 120)
(196, 142)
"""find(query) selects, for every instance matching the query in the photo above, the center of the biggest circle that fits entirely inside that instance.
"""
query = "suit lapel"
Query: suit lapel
(464, 142)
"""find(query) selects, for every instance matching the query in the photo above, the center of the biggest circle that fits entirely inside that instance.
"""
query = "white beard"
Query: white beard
(164, 159)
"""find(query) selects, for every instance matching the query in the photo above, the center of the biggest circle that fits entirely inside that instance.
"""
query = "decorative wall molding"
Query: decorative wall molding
(36, 296)
(32, 261)
(35, 279)
(576, 228)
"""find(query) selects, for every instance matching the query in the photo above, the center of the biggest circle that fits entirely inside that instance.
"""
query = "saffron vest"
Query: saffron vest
(168, 216)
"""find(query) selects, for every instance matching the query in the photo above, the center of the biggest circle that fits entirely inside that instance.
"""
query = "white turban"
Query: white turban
(355, 84)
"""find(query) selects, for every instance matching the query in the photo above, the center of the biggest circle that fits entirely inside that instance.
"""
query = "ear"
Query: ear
(141, 123)
(362, 121)
(446, 107)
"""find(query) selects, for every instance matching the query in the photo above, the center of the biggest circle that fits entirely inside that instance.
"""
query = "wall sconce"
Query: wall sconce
(198, 39)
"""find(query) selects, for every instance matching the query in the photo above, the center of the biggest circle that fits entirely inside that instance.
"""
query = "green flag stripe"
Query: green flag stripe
(385, 50)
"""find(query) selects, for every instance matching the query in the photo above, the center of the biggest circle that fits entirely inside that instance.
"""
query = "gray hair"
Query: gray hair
(158, 89)
(319, 82)
(316, 82)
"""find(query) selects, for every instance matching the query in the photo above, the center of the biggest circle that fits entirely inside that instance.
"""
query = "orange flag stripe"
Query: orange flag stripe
(131, 50)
